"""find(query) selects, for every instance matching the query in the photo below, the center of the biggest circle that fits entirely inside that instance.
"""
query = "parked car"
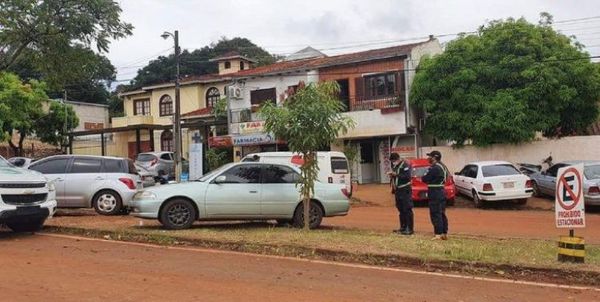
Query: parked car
(493, 181)
(156, 162)
(27, 199)
(105, 183)
(21, 162)
(419, 188)
(146, 176)
(240, 191)
(544, 182)
(333, 165)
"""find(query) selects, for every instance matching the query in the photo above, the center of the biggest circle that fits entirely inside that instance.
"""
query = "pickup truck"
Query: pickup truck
(27, 199)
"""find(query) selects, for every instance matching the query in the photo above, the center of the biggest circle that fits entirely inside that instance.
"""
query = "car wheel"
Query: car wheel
(476, 200)
(107, 202)
(28, 226)
(522, 201)
(177, 214)
(536, 190)
(316, 216)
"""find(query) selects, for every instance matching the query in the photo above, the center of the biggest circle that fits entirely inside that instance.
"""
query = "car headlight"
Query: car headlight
(144, 195)
(51, 186)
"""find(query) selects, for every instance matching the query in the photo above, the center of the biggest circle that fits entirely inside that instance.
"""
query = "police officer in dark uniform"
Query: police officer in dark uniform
(435, 180)
(401, 178)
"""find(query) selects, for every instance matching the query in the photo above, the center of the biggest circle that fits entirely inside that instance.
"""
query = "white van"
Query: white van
(333, 165)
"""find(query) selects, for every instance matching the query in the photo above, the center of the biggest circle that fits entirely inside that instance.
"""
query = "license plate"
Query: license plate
(509, 185)
(28, 210)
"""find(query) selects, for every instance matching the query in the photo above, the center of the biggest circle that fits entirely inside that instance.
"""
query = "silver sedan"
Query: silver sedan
(544, 182)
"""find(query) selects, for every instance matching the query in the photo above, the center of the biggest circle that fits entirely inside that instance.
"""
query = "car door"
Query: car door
(279, 192)
(471, 179)
(459, 179)
(81, 179)
(547, 183)
(238, 196)
(54, 169)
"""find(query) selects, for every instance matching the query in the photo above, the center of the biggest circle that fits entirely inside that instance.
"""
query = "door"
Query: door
(279, 192)
(238, 195)
(344, 94)
(54, 169)
(81, 180)
(547, 183)
(367, 162)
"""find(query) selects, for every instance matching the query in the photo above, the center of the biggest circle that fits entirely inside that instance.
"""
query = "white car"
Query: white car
(493, 181)
(27, 199)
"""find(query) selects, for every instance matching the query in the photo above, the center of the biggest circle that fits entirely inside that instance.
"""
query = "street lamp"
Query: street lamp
(177, 117)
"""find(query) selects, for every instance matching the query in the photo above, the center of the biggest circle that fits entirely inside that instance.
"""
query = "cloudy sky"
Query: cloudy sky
(333, 26)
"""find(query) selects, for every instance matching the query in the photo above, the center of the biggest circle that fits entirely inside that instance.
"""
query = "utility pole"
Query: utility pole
(177, 115)
(65, 125)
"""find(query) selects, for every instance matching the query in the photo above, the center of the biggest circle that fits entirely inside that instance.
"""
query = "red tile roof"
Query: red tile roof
(198, 112)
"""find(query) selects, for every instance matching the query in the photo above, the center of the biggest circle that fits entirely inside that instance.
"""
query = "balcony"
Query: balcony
(388, 103)
(132, 120)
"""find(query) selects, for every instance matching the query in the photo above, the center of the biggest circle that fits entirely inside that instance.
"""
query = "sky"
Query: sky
(332, 26)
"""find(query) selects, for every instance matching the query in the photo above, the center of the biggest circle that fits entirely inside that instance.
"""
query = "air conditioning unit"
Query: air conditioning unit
(235, 92)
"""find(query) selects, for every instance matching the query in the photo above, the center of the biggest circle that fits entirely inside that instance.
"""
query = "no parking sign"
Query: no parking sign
(569, 204)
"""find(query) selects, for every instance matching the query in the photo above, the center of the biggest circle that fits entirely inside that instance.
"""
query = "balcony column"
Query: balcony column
(151, 133)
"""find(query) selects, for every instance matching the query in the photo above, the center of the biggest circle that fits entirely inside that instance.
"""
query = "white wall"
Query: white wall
(568, 148)
(371, 123)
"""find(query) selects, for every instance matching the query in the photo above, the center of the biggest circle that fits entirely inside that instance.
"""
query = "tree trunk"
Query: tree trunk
(21, 139)
(15, 148)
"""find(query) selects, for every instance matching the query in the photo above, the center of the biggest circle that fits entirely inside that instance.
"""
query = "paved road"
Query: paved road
(42, 268)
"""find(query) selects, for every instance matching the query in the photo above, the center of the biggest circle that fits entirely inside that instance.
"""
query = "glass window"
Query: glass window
(420, 171)
(166, 141)
(242, 65)
(499, 170)
(243, 174)
(141, 107)
(53, 166)
(473, 172)
(166, 105)
(280, 174)
(113, 166)
(227, 65)
(212, 97)
(592, 172)
(259, 96)
(145, 157)
(554, 169)
(339, 165)
(166, 156)
(86, 165)
(381, 85)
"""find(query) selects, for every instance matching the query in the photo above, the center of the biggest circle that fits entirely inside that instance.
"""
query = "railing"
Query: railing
(132, 120)
(370, 103)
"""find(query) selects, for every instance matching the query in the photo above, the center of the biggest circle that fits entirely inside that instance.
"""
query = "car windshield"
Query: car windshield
(145, 157)
(420, 171)
(4, 163)
(214, 172)
(592, 172)
(499, 170)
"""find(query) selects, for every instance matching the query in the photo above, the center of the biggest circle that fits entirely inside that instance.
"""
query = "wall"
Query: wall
(372, 123)
(90, 113)
(568, 148)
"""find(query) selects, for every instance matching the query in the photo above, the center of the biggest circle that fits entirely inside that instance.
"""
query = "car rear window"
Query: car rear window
(131, 167)
(420, 171)
(145, 157)
(113, 166)
(592, 172)
(499, 170)
(339, 165)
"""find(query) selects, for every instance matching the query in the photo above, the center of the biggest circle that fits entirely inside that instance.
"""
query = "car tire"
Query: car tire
(477, 202)
(107, 202)
(536, 190)
(28, 226)
(177, 214)
(316, 216)
(522, 201)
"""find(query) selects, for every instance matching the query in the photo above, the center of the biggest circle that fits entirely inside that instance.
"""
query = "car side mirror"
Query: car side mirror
(220, 179)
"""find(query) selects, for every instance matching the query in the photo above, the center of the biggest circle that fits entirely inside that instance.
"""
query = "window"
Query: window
(141, 107)
(55, 166)
(165, 105)
(86, 165)
(166, 141)
(469, 171)
(244, 174)
(112, 166)
(339, 165)
(145, 157)
(227, 65)
(592, 172)
(499, 170)
(257, 97)
(166, 156)
(381, 85)
(241, 65)
(212, 97)
(280, 175)
(552, 171)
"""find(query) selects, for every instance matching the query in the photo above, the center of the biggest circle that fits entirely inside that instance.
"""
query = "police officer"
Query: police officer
(401, 178)
(435, 180)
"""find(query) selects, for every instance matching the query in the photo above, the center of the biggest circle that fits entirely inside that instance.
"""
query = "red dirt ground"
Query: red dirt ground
(42, 268)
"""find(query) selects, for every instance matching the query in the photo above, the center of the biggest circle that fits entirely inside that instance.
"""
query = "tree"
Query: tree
(506, 83)
(51, 27)
(197, 62)
(309, 120)
(54, 126)
(20, 108)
